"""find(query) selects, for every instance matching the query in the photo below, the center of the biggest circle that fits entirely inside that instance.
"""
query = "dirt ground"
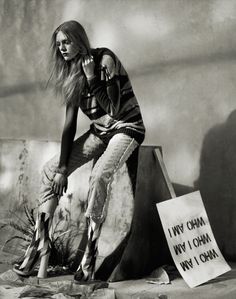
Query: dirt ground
(61, 287)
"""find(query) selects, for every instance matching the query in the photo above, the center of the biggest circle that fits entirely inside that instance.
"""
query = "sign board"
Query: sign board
(190, 239)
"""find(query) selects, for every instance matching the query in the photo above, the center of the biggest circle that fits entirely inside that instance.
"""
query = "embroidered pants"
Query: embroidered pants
(110, 157)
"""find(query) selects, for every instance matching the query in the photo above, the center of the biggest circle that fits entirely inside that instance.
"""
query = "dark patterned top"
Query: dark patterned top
(110, 101)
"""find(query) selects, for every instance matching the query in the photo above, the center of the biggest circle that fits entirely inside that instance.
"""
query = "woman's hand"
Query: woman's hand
(88, 66)
(60, 183)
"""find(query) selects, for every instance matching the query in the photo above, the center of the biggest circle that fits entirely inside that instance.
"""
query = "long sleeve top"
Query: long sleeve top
(111, 103)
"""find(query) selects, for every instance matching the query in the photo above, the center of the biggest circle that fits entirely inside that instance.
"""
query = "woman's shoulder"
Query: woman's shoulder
(105, 53)
(106, 58)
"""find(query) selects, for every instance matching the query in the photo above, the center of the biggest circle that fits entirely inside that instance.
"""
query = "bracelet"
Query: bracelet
(61, 170)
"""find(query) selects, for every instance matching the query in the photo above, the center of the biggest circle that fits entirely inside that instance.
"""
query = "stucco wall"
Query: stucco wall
(180, 56)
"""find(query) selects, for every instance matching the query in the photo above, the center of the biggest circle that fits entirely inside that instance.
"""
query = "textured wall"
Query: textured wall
(180, 56)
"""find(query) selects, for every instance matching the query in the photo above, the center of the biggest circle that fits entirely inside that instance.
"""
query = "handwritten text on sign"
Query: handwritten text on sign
(190, 239)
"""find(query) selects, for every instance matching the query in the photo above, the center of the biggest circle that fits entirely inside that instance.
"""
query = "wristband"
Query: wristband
(61, 170)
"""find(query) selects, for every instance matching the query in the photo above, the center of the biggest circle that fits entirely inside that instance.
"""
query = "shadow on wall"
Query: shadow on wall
(217, 183)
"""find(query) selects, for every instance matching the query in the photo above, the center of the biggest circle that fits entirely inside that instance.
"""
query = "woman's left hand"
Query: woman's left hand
(88, 66)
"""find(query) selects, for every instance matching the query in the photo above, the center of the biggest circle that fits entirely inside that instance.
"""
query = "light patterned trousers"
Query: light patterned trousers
(109, 158)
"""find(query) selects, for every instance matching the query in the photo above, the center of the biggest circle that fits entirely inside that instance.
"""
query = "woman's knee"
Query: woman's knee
(45, 173)
(48, 170)
(100, 178)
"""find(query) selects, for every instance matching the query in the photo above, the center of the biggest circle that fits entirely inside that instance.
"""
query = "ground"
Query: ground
(222, 287)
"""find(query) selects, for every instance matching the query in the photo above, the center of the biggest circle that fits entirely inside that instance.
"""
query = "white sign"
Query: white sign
(190, 239)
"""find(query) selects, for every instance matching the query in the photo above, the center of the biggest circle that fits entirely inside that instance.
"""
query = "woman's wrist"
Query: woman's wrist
(62, 170)
(91, 77)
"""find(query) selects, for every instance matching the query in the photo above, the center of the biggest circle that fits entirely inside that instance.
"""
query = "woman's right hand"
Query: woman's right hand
(88, 66)
(60, 183)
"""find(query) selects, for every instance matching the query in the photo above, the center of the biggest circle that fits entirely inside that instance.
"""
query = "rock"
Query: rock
(11, 276)
(158, 276)
(7, 292)
(37, 291)
(61, 296)
(103, 294)
(87, 288)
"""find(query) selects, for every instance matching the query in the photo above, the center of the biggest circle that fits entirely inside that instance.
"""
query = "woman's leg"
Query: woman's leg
(85, 271)
(85, 148)
(116, 154)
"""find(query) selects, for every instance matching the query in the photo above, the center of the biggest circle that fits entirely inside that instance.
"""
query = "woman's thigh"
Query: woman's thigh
(85, 148)
(119, 149)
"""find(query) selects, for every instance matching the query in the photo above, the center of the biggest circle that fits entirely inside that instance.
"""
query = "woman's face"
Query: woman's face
(67, 48)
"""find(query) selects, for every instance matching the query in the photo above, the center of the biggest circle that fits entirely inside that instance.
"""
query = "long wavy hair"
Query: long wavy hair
(68, 76)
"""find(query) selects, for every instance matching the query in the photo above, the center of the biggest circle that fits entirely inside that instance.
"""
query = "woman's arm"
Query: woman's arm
(107, 92)
(60, 180)
(68, 136)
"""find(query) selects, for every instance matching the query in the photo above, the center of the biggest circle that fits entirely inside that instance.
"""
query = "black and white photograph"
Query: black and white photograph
(118, 149)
